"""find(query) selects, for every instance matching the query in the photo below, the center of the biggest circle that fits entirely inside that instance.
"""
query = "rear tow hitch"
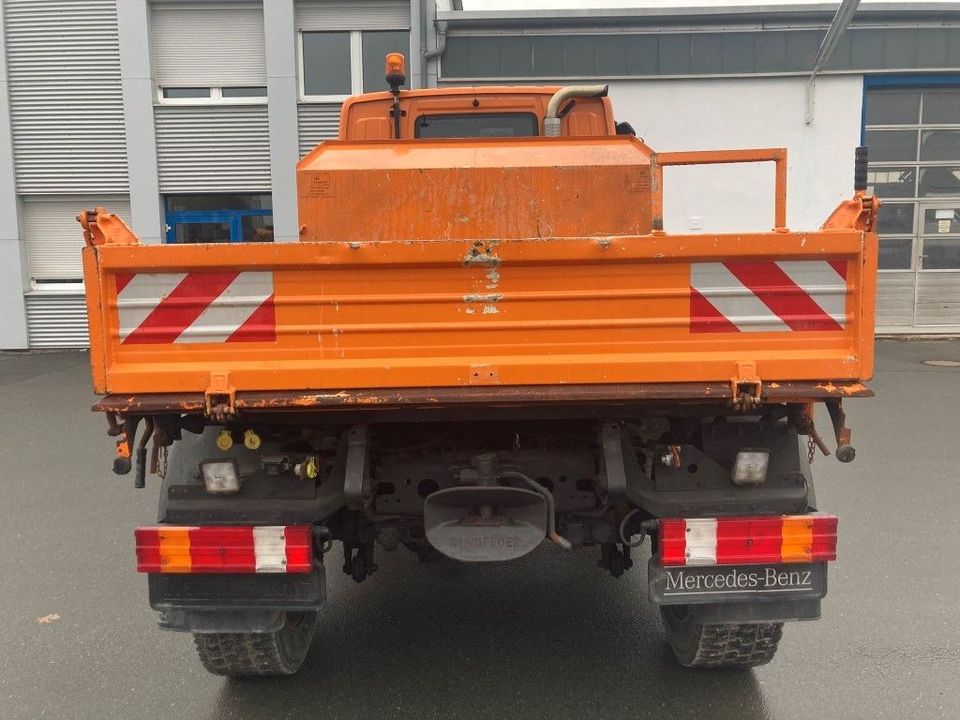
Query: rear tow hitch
(484, 520)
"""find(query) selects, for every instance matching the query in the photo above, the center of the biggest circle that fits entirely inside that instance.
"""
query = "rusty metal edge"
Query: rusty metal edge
(491, 395)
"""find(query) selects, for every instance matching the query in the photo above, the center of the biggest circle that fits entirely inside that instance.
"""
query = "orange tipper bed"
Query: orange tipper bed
(485, 269)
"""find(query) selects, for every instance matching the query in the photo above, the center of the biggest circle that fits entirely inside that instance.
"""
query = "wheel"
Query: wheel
(719, 646)
(244, 654)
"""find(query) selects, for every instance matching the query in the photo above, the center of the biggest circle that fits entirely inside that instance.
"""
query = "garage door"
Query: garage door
(914, 138)
(56, 310)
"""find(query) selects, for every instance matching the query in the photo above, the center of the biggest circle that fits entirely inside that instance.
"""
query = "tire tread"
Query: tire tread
(257, 654)
(241, 654)
(736, 646)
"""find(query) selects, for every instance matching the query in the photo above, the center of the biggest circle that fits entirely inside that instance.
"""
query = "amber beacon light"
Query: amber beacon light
(395, 69)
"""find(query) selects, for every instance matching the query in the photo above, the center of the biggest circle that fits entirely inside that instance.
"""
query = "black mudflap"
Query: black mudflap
(719, 594)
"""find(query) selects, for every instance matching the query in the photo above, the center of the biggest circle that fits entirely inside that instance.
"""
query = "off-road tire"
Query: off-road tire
(719, 646)
(249, 654)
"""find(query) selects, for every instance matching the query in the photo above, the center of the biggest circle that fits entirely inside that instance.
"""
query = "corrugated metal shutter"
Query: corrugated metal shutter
(57, 320)
(56, 311)
(208, 45)
(317, 122)
(66, 109)
(358, 15)
(213, 149)
(895, 299)
(938, 298)
(53, 236)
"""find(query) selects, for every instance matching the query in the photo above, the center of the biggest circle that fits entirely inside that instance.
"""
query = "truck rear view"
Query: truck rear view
(484, 343)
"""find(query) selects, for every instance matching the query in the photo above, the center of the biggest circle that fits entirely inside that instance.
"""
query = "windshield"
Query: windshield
(476, 125)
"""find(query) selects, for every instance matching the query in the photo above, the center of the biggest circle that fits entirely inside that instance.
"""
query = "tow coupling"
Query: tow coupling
(485, 521)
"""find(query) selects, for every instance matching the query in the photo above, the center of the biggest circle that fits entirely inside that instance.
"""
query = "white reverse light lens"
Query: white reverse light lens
(220, 476)
(750, 467)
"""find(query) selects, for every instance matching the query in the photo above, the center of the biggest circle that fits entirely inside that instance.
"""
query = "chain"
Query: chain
(162, 470)
(811, 449)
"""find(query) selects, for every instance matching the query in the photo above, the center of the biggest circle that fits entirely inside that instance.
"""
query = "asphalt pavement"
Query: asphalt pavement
(547, 636)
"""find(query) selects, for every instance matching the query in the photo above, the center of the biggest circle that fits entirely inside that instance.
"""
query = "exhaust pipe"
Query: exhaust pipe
(552, 533)
(551, 121)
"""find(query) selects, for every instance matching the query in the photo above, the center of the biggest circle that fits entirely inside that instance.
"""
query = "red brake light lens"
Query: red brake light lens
(748, 540)
(225, 549)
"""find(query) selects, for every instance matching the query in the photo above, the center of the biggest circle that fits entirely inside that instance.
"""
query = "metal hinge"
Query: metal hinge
(101, 228)
(220, 398)
(745, 386)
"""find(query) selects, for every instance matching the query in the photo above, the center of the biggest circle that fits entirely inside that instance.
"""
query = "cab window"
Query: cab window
(477, 125)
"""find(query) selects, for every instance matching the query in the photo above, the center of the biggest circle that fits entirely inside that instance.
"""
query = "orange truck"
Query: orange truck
(484, 342)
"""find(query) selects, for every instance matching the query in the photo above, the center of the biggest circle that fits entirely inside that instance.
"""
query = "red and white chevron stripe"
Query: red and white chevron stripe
(196, 307)
(768, 296)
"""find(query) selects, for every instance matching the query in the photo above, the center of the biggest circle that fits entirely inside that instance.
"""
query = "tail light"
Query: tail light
(748, 540)
(225, 549)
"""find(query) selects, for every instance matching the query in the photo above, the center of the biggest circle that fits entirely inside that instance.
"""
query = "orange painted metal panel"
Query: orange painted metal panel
(484, 188)
(449, 313)
(95, 317)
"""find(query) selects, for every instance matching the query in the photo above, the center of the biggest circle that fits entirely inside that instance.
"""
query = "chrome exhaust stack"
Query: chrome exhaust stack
(551, 120)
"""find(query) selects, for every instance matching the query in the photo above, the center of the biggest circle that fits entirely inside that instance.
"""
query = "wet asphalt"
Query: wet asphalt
(547, 636)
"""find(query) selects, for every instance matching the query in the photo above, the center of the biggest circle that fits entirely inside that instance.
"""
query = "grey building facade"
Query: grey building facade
(188, 118)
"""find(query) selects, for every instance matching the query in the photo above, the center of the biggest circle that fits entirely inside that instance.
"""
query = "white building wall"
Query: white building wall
(717, 114)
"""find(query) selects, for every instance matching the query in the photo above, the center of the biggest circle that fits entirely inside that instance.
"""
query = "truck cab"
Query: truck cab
(478, 112)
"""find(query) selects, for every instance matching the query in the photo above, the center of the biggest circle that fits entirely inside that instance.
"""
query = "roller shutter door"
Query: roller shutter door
(66, 109)
(57, 320)
(359, 15)
(56, 307)
(317, 122)
(213, 149)
(895, 297)
(209, 45)
(53, 236)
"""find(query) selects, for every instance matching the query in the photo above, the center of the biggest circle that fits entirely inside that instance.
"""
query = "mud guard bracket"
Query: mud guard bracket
(357, 466)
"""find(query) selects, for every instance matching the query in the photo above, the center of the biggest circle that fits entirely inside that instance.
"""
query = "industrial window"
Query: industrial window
(476, 125)
(914, 139)
(513, 55)
(217, 218)
(178, 93)
(334, 65)
(213, 95)
(196, 66)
